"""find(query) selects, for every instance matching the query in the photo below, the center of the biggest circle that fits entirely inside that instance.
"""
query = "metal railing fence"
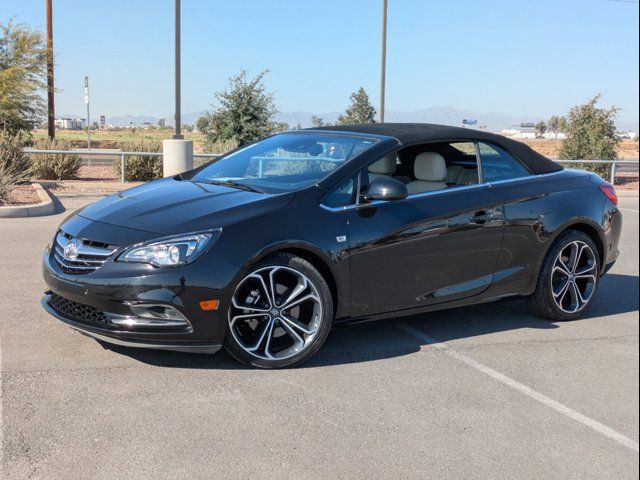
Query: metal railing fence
(123, 155)
(614, 165)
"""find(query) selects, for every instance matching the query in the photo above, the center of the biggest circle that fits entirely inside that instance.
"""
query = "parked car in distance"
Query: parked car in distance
(263, 250)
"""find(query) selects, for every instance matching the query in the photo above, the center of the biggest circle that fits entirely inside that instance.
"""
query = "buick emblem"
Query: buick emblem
(71, 249)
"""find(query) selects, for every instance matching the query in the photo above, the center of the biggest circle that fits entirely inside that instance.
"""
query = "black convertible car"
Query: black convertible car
(264, 249)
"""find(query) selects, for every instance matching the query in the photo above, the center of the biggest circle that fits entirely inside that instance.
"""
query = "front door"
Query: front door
(426, 249)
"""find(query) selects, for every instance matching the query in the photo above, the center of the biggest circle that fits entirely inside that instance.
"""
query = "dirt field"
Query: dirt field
(114, 138)
(551, 148)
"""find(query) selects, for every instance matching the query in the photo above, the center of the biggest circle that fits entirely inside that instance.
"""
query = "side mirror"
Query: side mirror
(386, 188)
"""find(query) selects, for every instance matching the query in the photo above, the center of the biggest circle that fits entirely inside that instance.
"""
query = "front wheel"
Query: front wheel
(281, 313)
(568, 278)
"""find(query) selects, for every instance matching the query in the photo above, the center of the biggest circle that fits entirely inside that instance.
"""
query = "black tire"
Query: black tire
(315, 278)
(543, 302)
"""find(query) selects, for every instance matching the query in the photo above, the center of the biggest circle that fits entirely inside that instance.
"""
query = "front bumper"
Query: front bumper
(116, 338)
(108, 294)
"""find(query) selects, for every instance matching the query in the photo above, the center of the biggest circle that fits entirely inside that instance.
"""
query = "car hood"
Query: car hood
(170, 206)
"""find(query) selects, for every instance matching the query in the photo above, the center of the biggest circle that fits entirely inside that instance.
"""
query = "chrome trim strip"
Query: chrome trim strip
(207, 348)
(147, 322)
(83, 249)
(444, 190)
(88, 259)
(64, 263)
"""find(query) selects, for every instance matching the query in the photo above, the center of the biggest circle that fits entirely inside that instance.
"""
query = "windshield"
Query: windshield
(284, 162)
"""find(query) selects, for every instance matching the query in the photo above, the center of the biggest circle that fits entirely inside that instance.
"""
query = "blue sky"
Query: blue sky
(519, 57)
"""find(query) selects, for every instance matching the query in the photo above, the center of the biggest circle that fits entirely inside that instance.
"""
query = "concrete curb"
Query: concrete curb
(45, 207)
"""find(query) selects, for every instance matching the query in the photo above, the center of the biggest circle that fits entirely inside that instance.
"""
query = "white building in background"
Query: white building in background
(67, 123)
(524, 131)
(554, 136)
(627, 135)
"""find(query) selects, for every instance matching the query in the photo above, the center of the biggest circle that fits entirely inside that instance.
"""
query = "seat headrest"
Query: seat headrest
(386, 165)
(430, 167)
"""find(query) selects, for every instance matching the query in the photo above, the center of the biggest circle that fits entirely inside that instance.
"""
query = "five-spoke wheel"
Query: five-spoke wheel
(277, 313)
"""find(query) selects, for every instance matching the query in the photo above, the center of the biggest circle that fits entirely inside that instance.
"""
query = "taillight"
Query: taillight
(610, 192)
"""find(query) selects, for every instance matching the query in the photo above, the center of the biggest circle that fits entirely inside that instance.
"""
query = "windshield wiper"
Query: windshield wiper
(232, 184)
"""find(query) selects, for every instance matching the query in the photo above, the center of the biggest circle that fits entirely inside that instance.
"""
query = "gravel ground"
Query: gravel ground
(23, 195)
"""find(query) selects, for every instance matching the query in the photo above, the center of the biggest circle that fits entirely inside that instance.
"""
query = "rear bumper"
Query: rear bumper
(120, 338)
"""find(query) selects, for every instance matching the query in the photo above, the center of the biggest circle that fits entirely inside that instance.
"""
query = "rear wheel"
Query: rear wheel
(281, 313)
(568, 279)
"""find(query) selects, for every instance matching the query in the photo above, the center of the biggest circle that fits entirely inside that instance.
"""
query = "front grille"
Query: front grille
(82, 256)
(77, 311)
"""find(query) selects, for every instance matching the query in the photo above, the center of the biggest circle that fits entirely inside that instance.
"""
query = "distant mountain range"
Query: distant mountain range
(444, 115)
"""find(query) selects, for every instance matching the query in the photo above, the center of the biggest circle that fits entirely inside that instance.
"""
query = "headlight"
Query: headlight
(170, 251)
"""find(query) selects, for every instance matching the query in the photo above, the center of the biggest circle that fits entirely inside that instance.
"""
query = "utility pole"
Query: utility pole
(177, 132)
(384, 59)
(86, 101)
(51, 115)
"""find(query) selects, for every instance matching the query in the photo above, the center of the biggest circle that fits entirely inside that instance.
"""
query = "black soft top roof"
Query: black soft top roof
(412, 133)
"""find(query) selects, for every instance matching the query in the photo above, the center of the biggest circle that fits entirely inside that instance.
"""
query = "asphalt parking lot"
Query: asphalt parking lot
(483, 392)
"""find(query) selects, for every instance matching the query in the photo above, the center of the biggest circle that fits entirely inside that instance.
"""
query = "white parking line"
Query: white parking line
(628, 210)
(502, 378)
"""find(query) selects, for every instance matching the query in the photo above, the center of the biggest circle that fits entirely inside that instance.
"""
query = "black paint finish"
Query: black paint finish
(431, 251)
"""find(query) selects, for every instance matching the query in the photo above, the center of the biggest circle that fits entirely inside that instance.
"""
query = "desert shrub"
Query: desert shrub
(219, 146)
(12, 159)
(591, 135)
(50, 166)
(7, 182)
(137, 168)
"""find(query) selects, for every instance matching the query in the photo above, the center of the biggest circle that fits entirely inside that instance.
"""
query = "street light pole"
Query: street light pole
(384, 59)
(51, 115)
(177, 134)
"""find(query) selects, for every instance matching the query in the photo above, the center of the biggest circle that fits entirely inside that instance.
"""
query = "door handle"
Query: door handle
(482, 217)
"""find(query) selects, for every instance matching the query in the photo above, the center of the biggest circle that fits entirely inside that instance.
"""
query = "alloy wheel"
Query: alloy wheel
(574, 277)
(276, 313)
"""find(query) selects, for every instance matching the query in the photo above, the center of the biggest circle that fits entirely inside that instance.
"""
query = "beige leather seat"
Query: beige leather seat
(468, 176)
(385, 167)
(453, 172)
(430, 171)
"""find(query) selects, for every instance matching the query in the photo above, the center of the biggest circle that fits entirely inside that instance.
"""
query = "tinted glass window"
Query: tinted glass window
(284, 162)
(499, 165)
(341, 196)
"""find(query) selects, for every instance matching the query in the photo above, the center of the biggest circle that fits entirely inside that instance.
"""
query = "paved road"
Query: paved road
(484, 392)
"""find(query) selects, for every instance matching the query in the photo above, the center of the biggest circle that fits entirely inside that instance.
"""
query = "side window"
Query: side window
(462, 164)
(342, 196)
(499, 165)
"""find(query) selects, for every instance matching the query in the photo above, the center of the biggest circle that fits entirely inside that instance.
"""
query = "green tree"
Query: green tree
(161, 123)
(23, 73)
(541, 128)
(202, 124)
(562, 125)
(360, 111)
(552, 125)
(317, 121)
(591, 135)
(246, 112)
(557, 125)
(281, 127)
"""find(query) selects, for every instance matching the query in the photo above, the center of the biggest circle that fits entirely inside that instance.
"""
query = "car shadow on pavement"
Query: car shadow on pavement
(616, 294)
(379, 340)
